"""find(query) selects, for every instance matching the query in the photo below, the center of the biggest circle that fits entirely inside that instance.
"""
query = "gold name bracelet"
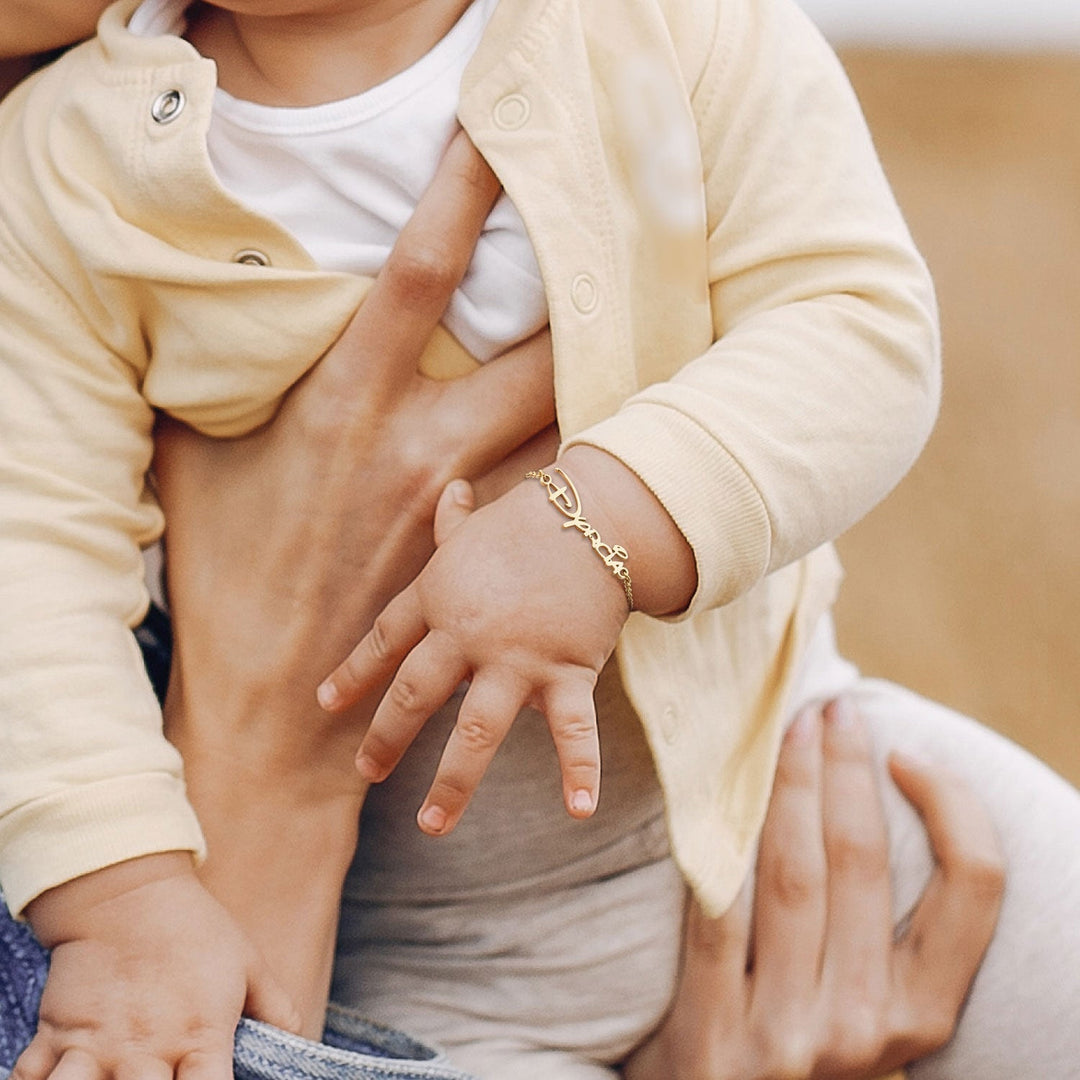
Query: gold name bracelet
(565, 499)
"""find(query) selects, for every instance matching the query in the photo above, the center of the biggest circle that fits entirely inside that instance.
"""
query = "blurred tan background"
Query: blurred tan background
(965, 583)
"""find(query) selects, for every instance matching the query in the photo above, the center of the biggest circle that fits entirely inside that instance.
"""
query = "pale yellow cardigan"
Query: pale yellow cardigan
(738, 314)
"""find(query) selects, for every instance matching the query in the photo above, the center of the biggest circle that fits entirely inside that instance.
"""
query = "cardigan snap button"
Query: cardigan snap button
(251, 257)
(512, 112)
(168, 106)
(584, 294)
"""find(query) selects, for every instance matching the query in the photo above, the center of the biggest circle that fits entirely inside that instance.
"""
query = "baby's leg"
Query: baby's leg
(1020, 1020)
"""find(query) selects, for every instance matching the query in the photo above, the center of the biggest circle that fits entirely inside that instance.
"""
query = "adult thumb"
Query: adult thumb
(456, 503)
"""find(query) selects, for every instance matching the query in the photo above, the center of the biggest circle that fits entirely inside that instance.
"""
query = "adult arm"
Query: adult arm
(283, 545)
(807, 980)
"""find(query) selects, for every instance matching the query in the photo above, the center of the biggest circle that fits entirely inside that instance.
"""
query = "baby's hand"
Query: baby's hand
(148, 978)
(521, 607)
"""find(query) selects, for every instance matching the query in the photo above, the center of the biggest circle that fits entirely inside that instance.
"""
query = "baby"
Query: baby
(745, 361)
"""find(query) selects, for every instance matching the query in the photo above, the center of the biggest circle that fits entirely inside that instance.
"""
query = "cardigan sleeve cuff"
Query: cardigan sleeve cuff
(88, 827)
(713, 502)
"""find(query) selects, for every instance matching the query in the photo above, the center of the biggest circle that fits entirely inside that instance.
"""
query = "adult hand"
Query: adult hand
(812, 983)
(283, 545)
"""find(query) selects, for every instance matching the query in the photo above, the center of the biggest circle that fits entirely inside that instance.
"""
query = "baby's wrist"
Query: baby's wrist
(622, 514)
(66, 911)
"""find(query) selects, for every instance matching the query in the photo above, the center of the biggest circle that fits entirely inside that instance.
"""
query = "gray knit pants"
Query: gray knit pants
(557, 979)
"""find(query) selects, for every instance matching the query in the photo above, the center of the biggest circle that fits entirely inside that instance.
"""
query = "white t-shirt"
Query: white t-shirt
(344, 177)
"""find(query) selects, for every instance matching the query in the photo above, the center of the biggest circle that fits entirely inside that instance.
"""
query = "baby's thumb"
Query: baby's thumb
(268, 1002)
(456, 503)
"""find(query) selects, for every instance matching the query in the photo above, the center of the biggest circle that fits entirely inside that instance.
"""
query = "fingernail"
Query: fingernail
(804, 726)
(842, 714)
(581, 802)
(327, 695)
(367, 768)
(432, 819)
(461, 493)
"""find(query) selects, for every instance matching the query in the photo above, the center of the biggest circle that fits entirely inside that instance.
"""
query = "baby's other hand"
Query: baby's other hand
(516, 604)
(148, 978)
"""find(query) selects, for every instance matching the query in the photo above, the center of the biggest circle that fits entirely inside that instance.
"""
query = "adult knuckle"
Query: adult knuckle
(938, 1030)
(788, 1054)
(325, 420)
(857, 1036)
(421, 468)
(420, 271)
(857, 854)
(790, 881)
(928, 1029)
(698, 1052)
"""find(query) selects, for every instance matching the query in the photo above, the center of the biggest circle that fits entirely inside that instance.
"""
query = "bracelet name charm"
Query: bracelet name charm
(565, 499)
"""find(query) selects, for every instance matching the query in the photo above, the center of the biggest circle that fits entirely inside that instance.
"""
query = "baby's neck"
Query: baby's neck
(325, 51)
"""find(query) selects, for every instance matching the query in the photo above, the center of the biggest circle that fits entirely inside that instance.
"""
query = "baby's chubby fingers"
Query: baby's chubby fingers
(487, 712)
(424, 681)
(215, 1064)
(37, 1060)
(571, 716)
(400, 627)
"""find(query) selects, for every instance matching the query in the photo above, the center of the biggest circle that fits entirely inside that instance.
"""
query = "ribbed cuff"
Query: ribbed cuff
(82, 829)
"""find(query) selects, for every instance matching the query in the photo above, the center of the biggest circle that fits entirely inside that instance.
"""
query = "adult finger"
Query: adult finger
(859, 935)
(397, 629)
(384, 341)
(424, 681)
(490, 705)
(506, 401)
(790, 898)
(706, 1028)
(951, 927)
(571, 716)
(712, 983)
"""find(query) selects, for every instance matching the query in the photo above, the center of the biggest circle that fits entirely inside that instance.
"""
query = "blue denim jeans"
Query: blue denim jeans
(353, 1048)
